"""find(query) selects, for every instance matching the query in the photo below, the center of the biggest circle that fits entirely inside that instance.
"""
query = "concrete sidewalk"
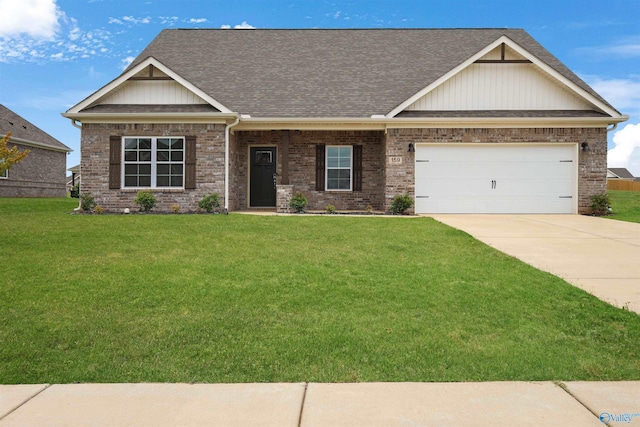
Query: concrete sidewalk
(299, 404)
(601, 256)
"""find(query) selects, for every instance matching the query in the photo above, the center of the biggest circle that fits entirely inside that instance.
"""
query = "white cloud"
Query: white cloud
(197, 20)
(115, 21)
(626, 152)
(168, 20)
(34, 18)
(242, 26)
(623, 94)
(126, 61)
(132, 20)
(628, 47)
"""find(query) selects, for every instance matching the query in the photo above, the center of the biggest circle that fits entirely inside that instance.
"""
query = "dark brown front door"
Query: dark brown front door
(262, 191)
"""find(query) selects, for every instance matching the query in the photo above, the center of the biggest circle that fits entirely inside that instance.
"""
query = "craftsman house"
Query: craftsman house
(463, 120)
(42, 172)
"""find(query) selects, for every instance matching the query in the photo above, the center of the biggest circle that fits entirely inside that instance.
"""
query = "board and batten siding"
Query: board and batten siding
(500, 86)
(153, 92)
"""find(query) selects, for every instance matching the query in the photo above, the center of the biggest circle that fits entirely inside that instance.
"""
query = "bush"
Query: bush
(401, 203)
(298, 202)
(210, 202)
(330, 209)
(87, 203)
(175, 208)
(98, 210)
(600, 204)
(146, 200)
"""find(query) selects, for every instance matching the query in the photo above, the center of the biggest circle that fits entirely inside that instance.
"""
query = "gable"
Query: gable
(149, 83)
(507, 82)
(504, 77)
(151, 86)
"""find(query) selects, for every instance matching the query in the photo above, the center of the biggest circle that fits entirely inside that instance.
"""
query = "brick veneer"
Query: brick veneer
(95, 164)
(302, 166)
(41, 174)
(388, 167)
(592, 163)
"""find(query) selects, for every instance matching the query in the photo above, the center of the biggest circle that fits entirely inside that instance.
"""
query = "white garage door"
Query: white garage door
(496, 178)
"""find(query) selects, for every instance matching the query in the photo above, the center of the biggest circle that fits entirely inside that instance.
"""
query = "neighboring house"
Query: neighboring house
(619, 173)
(42, 172)
(463, 120)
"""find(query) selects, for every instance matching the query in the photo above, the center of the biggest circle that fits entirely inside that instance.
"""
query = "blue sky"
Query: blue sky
(54, 53)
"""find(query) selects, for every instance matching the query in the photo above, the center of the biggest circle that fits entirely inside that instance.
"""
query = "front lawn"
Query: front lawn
(625, 205)
(240, 298)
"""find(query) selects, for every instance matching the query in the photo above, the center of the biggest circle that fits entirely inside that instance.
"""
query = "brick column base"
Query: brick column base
(284, 193)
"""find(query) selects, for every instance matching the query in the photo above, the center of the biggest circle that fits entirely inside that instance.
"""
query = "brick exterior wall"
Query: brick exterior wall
(592, 164)
(95, 164)
(302, 166)
(41, 174)
(388, 167)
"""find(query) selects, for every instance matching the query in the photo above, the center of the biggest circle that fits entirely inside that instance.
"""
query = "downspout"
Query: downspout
(226, 163)
(615, 125)
(79, 208)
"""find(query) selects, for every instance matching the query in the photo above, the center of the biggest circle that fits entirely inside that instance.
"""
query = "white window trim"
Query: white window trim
(154, 162)
(326, 168)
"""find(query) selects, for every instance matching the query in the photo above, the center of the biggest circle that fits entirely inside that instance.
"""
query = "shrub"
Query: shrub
(146, 200)
(401, 203)
(600, 204)
(369, 209)
(210, 202)
(87, 203)
(330, 209)
(98, 210)
(175, 208)
(298, 202)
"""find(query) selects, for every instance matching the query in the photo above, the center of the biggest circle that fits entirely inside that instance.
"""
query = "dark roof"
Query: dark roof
(622, 173)
(21, 128)
(325, 73)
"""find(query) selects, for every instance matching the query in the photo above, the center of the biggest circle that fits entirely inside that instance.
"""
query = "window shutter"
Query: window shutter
(320, 163)
(190, 163)
(357, 168)
(115, 161)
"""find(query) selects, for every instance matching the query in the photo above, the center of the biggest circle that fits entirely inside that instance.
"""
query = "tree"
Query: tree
(10, 156)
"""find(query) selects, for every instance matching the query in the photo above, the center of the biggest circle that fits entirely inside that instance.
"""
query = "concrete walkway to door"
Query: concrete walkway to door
(601, 256)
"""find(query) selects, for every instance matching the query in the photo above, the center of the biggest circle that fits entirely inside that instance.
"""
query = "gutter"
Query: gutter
(226, 162)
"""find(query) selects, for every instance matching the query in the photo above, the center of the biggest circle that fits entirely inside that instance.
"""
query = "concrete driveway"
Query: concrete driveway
(601, 256)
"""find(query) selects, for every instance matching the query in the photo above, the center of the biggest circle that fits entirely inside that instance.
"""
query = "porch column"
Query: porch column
(285, 137)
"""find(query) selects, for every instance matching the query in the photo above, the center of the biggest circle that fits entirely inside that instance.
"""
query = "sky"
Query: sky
(54, 53)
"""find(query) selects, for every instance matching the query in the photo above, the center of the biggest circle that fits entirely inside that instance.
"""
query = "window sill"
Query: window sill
(153, 190)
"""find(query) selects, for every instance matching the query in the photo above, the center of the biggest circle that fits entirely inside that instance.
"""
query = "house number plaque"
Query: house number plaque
(395, 160)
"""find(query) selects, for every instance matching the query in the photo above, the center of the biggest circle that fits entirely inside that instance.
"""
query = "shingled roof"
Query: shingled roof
(326, 73)
(22, 129)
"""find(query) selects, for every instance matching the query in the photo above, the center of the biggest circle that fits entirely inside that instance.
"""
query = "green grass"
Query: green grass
(625, 205)
(238, 298)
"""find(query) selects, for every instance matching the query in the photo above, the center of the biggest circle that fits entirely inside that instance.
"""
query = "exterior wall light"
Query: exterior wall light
(412, 148)
(585, 146)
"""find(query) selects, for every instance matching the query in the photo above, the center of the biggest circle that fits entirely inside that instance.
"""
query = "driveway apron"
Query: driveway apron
(601, 256)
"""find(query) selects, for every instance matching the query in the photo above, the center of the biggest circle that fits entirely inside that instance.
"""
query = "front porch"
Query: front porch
(284, 162)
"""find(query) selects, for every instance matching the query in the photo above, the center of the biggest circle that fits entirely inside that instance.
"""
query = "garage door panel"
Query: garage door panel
(496, 178)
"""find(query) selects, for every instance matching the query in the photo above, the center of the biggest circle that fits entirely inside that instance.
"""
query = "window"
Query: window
(339, 167)
(153, 162)
(4, 173)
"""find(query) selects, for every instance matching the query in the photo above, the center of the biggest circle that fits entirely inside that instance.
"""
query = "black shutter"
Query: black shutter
(320, 162)
(357, 168)
(190, 163)
(115, 161)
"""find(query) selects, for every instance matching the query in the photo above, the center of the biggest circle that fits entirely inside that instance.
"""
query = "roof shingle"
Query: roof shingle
(325, 73)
